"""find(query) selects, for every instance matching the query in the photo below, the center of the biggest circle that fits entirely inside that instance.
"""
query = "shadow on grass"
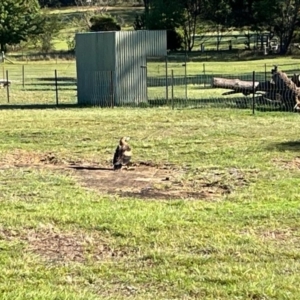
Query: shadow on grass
(285, 146)
(90, 168)
(60, 88)
(40, 106)
(233, 103)
(51, 79)
(271, 108)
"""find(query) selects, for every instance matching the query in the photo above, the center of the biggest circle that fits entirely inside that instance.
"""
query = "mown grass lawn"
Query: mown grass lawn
(60, 240)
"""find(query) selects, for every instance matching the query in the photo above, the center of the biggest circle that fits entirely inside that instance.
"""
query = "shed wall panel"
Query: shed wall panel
(94, 53)
(130, 74)
(156, 42)
(113, 65)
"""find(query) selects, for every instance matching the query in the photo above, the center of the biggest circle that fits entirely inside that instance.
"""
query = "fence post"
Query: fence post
(185, 77)
(23, 76)
(167, 87)
(111, 89)
(7, 86)
(56, 87)
(172, 88)
(253, 97)
(265, 72)
(204, 75)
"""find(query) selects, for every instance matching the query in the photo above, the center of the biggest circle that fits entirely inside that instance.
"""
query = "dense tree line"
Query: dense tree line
(57, 3)
(183, 19)
(63, 3)
(278, 17)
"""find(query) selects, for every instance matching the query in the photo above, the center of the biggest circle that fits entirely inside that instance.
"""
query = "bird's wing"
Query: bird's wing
(117, 155)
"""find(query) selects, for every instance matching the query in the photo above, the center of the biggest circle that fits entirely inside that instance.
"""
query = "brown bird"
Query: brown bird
(122, 154)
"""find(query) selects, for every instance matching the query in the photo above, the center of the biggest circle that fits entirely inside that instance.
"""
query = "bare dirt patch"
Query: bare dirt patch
(21, 158)
(57, 246)
(281, 238)
(146, 180)
(142, 179)
(293, 164)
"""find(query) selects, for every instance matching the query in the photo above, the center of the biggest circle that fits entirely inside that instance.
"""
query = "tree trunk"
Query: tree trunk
(239, 86)
(3, 47)
(146, 5)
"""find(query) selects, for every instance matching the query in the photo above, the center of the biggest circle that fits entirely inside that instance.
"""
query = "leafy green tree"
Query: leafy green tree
(18, 19)
(146, 5)
(173, 15)
(174, 40)
(280, 17)
(57, 3)
(50, 3)
(163, 14)
(140, 22)
(50, 28)
(218, 13)
(192, 10)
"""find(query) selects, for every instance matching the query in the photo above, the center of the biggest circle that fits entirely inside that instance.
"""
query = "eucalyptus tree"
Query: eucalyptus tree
(192, 11)
(219, 13)
(163, 14)
(173, 15)
(280, 17)
(18, 20)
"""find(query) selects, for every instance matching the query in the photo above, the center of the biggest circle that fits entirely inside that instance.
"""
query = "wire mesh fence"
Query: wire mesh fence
(265, 88)
(38, 83)
(164, 82)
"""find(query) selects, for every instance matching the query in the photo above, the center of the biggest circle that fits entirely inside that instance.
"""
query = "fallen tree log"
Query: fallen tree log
(280, 89)
(237, 85)
(240, 86)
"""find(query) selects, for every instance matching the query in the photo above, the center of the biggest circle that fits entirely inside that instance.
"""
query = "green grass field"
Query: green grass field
(209, 208)
(62, 239)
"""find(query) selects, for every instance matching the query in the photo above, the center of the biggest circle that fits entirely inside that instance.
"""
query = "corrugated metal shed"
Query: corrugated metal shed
(111, 65)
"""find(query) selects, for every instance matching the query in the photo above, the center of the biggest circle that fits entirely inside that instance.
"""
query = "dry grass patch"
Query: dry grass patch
(278, 235)
(58, 246)
(286, 164)
(23, 158)
(282, 238)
